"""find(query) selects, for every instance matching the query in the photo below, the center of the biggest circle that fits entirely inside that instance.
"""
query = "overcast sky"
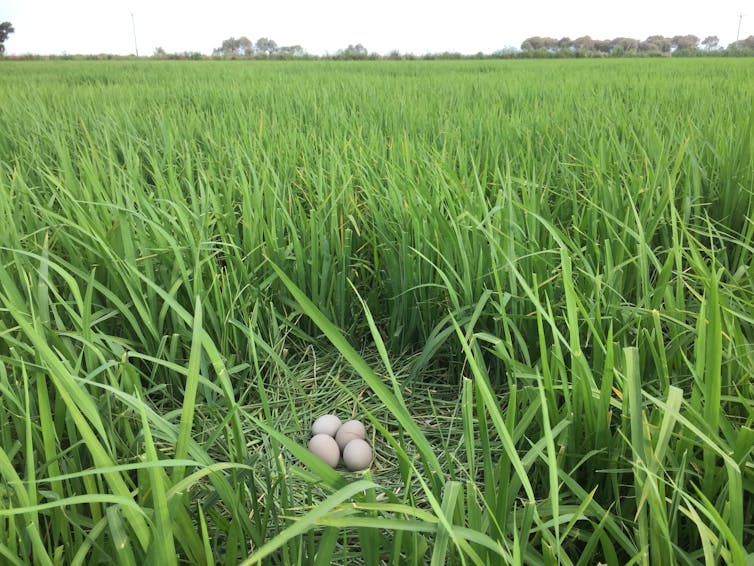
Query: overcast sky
(324, 26)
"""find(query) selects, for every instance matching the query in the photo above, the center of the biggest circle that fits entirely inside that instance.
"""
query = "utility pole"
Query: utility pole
(738, 33)
(133, 25)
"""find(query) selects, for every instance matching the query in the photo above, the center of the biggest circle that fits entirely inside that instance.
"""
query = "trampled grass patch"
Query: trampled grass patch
(531, 279)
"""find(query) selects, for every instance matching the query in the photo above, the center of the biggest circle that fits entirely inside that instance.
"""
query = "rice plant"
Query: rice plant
(533, 279)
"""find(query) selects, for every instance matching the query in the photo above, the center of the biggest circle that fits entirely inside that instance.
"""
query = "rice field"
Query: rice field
(533, 280)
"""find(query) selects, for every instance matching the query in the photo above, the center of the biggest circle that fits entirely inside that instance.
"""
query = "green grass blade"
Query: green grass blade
(308, 521)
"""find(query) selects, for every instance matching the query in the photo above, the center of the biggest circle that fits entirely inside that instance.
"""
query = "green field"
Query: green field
(533, 280)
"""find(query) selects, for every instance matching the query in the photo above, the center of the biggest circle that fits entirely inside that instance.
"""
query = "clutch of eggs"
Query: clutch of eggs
(331, 438)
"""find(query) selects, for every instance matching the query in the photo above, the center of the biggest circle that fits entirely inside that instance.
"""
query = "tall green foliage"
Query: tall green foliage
(532, 277)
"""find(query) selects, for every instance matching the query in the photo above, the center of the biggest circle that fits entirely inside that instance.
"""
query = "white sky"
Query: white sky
(322, 26)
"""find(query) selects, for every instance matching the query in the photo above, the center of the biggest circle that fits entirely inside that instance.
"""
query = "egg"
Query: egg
(348, 431)
(357, 455)
(326, 424)
(325, 448)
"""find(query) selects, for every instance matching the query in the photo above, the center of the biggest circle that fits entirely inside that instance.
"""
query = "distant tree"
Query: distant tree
(357, 51)
(565, 43)
(290, 51)
(550, 43)
(536, 43)
(602, 45)
(159, 53)
(265, 46)
(658, 43)
(6, 28)
(689, 42)
(184, 55)
(747, 43)
(583, 43)
(233, 46)
(711, 42)
(506, 52)
(226, 47)
(246, 47)
(665, 43)
(624, 44)
(533, 43)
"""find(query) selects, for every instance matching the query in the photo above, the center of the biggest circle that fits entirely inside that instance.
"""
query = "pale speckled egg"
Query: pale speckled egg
(348, 431)
(326, 424)
(357, 455)
(325, 448)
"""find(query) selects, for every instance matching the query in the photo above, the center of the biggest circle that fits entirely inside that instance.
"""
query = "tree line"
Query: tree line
(266, 48)
(263, 47)
(654, 44)
(532, 47)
